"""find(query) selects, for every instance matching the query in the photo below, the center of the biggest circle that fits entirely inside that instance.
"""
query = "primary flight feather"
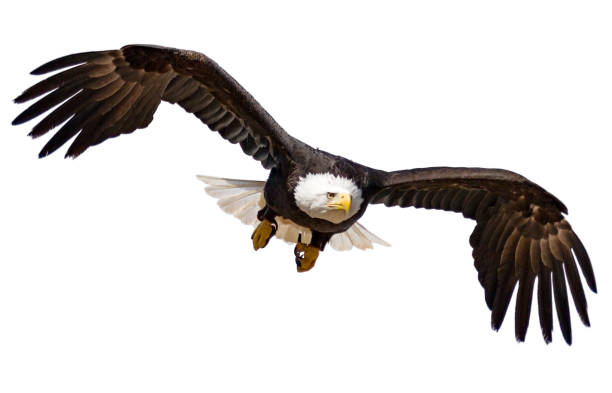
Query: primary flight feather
(312, 197)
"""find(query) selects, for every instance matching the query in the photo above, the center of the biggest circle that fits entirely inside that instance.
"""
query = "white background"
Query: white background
(118, 273)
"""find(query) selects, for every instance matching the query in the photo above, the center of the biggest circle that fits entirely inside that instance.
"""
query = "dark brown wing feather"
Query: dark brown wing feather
(520, 235)
(108, 93)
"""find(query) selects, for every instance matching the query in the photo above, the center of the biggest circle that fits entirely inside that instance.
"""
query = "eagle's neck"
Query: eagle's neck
(311, 196)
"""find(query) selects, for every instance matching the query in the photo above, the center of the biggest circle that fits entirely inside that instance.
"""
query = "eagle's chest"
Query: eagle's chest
(305, 200)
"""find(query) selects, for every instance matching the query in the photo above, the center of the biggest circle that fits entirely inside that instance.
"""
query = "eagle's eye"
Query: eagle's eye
(331, 195)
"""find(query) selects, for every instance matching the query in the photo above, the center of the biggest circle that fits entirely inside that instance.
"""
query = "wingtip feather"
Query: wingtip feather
(19, 99)
(546, 336)
(66, 61)
(17, 121)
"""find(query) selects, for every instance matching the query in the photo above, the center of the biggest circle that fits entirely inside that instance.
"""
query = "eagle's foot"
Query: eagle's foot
(305, 256)
(262, 234)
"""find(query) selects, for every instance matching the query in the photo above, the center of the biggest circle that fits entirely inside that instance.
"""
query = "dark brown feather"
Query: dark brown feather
(69, 60)
(490, 278)
(575, 285)
(506, 280)
(471, 203)
(437, 198)
(457, 203)
(584, 261)
(522, 256)
(534, 256)
(523, 304)
(561, 303)
(545, 303)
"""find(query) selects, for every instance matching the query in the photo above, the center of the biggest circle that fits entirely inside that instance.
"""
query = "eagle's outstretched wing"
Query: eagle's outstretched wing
(520, 234)
(108, 93)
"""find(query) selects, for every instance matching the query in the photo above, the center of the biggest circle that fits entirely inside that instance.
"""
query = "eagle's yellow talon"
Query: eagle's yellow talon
(262, 234)
(305, 256)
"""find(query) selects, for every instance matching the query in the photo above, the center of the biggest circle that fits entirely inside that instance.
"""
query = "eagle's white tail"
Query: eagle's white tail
(244, 198)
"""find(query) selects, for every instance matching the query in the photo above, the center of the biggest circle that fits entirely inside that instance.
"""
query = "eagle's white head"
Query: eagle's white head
(329, 197)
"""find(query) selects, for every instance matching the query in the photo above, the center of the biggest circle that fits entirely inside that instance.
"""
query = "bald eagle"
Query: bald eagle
(312, 197)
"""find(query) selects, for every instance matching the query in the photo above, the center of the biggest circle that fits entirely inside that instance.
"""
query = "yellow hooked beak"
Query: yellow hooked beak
(340, 201)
